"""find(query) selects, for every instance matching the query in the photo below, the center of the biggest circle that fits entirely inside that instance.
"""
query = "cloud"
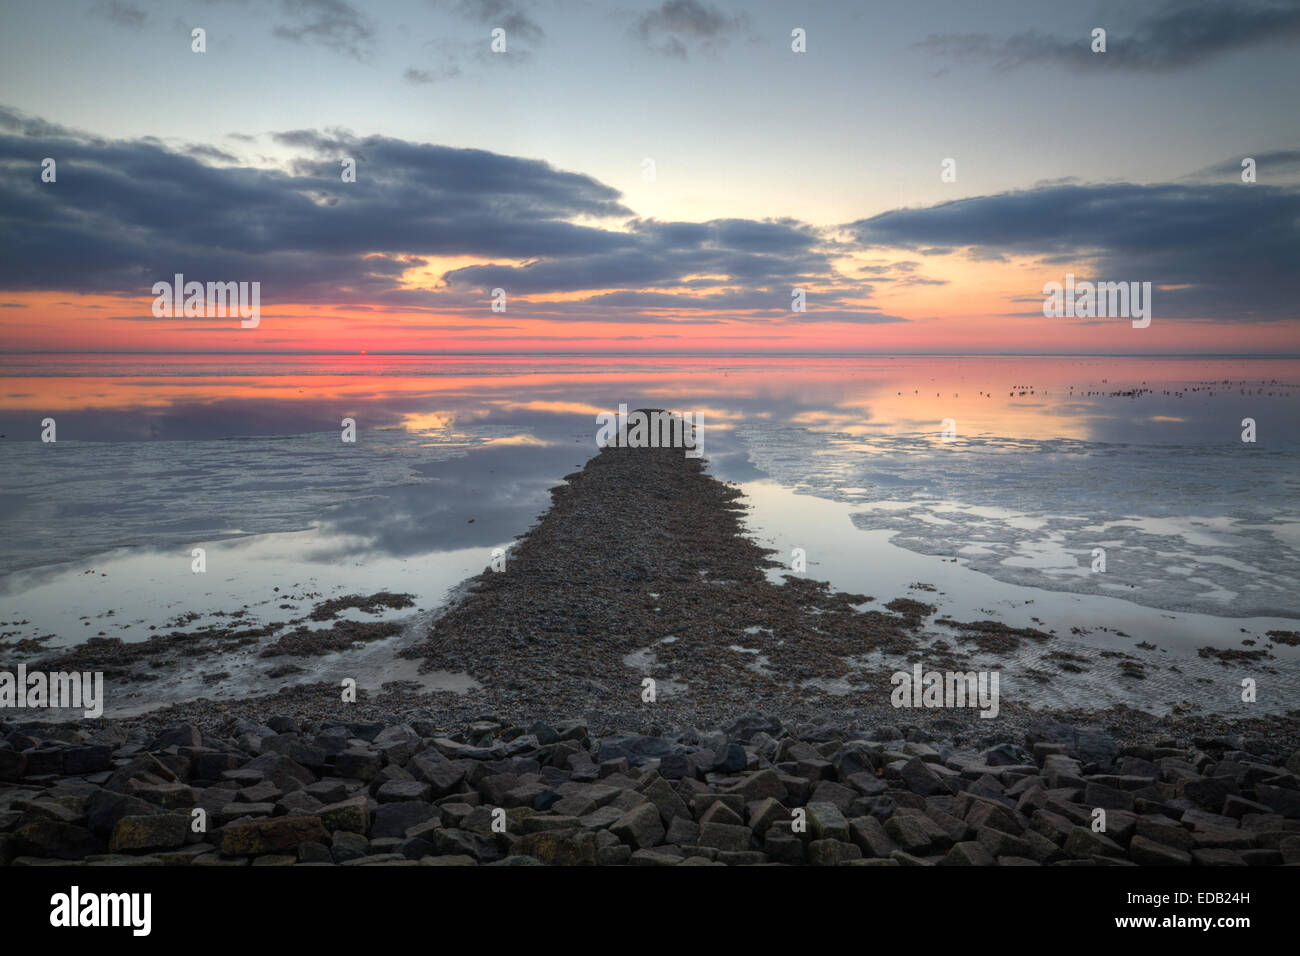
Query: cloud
(453, 56)
(204, 151)
(332, 24)
(1222, 250)
(1270, 166)
(679, 28)
(122, 14)
(506, 14)
(899, 273)
(124, 214)
(1179, 35)
(15, 121)
(663, 254)
(424, 77)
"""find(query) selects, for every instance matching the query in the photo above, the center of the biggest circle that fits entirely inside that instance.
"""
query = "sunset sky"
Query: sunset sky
(528, 170)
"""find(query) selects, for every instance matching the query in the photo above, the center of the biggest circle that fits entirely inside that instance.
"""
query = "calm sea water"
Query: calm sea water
(992, 480)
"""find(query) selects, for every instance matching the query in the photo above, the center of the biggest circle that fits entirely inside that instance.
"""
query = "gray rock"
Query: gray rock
(297, 750)
(327, 791)
(1207, 792)
(43, 837)
(827, 822)
(346, 845)
(394, 819)
(832, 852)
(613, 855)
(744, 728)
(987, 813)
(654, 858)
(1293, 763)
(922, 779)
(828, 791)
(1216, 857)
(867, 784)
(358, 764)
(182, 735)
(723, 836)
(759, 786)
(676, 766)
(13, 764)
(1289, 849)
(731, 759)
(916, 834)
(352, 814)
(640, 827)
(1087, 744)
(560, 848)
(259, 837)
(105, 808)
(783, 847)
(158, 831)
(1001, 844)
(1148, 852)
(284, 772)
(903, 858)
(636, 750)
(1083, 844)
(299, 803)
(761, 815)
(314, 853)
(968, 853)
(720, 812)
(659, 792)
(1108, 798)
(1167, 832)
(81, 760)
(682, 831)
(395, 791)
(1280, 799)
(869, 834)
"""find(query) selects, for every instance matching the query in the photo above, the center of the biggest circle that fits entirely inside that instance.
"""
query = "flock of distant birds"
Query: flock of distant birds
(1020, 391)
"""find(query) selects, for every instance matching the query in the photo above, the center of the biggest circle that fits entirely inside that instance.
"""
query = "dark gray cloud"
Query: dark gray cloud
(333, 24)
(453, 56)
(122, 14)
(901, 273)
(204, 151)
(435, 75)
(1227, 251)
(679, 28)
(661, 254)
(15, 121)
(506, 14)
(1270, 166)
(124, 214)
(1177, 35)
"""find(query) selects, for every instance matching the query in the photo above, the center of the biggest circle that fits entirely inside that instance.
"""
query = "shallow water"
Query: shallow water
(1050, 458)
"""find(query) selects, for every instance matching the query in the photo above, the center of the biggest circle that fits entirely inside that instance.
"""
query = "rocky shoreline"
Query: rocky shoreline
(289, 793)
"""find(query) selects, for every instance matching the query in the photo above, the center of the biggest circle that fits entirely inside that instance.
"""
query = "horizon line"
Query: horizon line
(702, 354)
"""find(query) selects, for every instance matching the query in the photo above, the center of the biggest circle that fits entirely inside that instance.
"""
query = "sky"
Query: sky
(649, 176)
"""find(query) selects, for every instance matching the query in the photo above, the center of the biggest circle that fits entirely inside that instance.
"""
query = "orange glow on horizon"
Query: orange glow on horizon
(977, 312)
